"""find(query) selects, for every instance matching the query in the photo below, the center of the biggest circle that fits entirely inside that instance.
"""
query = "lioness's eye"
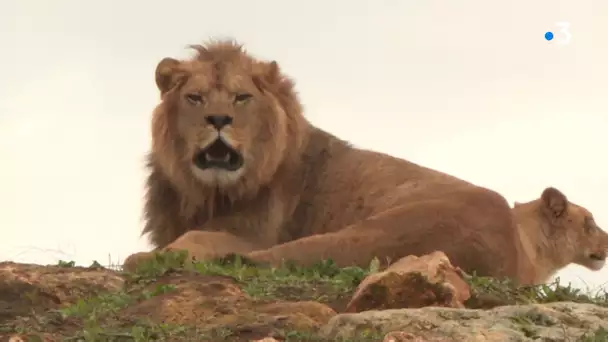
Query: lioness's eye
(239, 98)
(195, 99)
(590, 224)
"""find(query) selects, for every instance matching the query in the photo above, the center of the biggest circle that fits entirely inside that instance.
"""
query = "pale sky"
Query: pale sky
(469, 87)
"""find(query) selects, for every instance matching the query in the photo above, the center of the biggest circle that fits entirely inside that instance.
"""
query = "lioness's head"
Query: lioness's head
(568, 232)
(226, 120)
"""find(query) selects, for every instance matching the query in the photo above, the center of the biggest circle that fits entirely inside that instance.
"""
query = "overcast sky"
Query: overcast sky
(469, 87)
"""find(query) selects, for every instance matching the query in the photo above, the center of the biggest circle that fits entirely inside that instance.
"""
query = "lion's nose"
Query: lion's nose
(219, 121)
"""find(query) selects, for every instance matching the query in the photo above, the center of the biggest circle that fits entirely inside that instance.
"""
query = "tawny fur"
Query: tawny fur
(302, 193)
(556, 233)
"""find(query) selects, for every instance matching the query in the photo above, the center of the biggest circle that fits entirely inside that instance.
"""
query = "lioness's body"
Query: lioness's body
(236, 168)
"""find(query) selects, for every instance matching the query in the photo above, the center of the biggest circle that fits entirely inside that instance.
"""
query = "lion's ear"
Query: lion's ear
(273, 73)
(555, 203)
(266, 74)
(167, 74)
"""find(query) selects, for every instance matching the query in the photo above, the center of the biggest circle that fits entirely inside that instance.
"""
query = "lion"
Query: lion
(556, 232)
(236, 168)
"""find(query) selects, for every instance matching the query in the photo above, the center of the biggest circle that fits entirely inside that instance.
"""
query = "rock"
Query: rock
(563, 321)
(412, 282)
(401, 336)
(24, 338)
(200, 302)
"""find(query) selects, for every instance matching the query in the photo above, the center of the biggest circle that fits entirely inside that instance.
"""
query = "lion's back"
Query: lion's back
(341, 185)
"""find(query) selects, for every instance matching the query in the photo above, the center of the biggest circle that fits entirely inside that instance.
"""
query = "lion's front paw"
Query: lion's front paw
(264, 257)
(196, 245)
(134, 260)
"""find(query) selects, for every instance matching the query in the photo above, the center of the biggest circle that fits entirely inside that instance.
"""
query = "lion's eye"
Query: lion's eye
(194, 99)
(240, 98)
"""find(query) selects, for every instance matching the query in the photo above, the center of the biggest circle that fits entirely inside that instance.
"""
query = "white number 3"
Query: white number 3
(565, 30)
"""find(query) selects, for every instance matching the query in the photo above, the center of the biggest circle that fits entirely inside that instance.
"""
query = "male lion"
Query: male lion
(236, 168)
(556, 233)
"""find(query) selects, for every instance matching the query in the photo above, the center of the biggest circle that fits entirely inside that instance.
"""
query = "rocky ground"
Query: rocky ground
(170, 299)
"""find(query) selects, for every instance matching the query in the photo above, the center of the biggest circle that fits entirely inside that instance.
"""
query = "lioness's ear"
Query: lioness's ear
(516, 204)
(554, 202)
(167, 73)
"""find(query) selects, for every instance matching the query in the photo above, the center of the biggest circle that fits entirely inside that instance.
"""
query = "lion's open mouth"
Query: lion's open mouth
(598, 257)
(218, 155)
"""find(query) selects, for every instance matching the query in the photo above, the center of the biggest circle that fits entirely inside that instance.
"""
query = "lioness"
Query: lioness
(236, 168)
(556, 233)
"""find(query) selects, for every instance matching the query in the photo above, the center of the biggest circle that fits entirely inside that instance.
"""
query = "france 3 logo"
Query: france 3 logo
(562, 36)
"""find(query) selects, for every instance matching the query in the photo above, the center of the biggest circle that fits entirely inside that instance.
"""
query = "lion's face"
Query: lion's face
(569, 228)
(226, 127)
